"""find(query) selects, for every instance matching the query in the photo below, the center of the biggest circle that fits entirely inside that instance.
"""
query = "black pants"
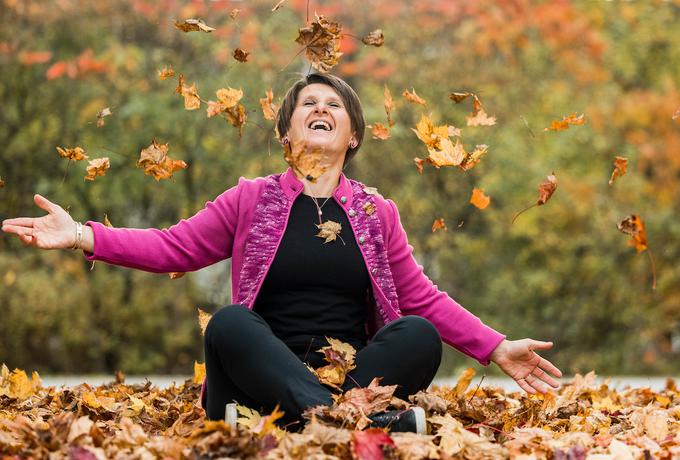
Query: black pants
(247, 363)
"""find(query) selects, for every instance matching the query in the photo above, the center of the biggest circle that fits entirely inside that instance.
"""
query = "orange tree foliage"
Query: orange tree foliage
(561, 272)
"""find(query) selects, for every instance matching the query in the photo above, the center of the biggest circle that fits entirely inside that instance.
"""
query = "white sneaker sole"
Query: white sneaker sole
(230, 414)
(421, 425)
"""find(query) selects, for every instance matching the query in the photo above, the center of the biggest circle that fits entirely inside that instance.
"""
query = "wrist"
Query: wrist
(78, 238)
(499, 351)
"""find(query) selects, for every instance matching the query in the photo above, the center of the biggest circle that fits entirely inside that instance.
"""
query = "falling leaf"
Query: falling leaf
(241, 55)
(448, 154)
(2, 183)
(429, 134)
(374, 38)
(676, 115)
(237, 117)
(545, 191)
(107, 222)
(379, 131)
(156, 162)
(193, 25)
(561, 125)
(233, 13)
(439, 224)
(419, 164)
(471, 159)
(203, 320)
(278, 5)
(75, 153)
(479, 199)
(192, 100)
(369, 208)
(269, 109)
(413, 97)
(199, 372)
(105, 112)
(459, 97)
(328, 230)
(620, 167)
(479, 116)
(635, 227)
(166, 73)
(176, 275)
(97, 167)
(368, 444)
(310, 163)
(464, 381)
(229, 96)
(340, 358)
(388, 103)
(321, 40)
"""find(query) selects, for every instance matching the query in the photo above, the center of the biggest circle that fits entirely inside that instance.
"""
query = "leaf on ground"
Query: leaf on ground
(97, 167)
(193, 25)
(155, 161)
(321, 40)
(620, 168)
(479, 199)
(565, 122)
(368, 444)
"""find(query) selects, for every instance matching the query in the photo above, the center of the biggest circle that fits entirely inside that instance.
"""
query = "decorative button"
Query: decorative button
(374, 270)
(362, 240)
(352, 213)
(343, 199)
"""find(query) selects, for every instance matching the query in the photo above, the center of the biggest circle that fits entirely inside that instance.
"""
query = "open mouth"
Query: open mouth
(320, 125)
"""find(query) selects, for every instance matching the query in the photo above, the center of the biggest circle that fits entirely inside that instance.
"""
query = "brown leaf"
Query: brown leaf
(2, 183)
(165, 73)
(635, 227)
(439, 224)
(321, 40)
(413, 97)
(471, 159)
(388, 103)
(329, 230)
(75, 153)
(419, 164)
(310, 163)
(105, 112)
(97, 167)
(620, 167)
(374, 38)
(379, 131)
(459, 97)
(193, 25)
(241, 55)
(233, 13)
(546, 189)
(203, 320)
(340, 358)
(429, 401)
(269, 109)
(447, 154)
(359, 403)
(369, 208)
(192, 101)
(563, 124)
(479, 199)
(479, 116)
(156, 162)
(237, 117)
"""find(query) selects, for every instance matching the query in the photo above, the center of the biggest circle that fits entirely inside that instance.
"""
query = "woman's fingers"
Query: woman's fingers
(44, 203)
(23, 221)
(539, 345)
(525, 386)
(19, 230)
(550, 367)
(538, 372)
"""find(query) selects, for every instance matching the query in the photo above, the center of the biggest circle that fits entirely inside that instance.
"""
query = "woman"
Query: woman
(293, 285)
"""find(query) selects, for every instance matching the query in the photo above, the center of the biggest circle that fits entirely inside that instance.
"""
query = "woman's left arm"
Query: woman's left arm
(458, 327)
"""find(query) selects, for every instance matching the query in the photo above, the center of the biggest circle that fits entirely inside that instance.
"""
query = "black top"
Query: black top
(315, 289)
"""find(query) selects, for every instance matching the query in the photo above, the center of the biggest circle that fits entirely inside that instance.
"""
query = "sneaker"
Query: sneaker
(410, 420)
(230, 414)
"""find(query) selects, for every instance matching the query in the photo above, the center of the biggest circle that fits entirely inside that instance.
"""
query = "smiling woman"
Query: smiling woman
(296, 282)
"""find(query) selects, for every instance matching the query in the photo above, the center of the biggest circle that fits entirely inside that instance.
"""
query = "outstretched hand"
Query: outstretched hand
(518, 359)
(53, 231)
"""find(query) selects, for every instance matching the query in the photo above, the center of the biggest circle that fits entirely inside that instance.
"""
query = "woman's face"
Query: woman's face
(321, 120)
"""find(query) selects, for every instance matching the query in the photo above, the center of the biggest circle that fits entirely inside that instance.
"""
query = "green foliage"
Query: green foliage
(562, 272)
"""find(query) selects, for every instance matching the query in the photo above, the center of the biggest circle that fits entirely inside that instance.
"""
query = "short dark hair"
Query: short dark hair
(347, 94)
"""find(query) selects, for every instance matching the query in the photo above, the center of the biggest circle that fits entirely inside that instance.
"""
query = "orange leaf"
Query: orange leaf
(635, 227)
(34, 57)
(269, 109)
(620, 167)
(439, 224)
(97, 167)
(191, 99)
(193, 25)
(413, 97)
(546, 189)
(203, 320)
(676, 115)
(561, 125)
(176, 275)
(479, 199)
(379, 131)
(156, 162)
(166, 73)
(310, 163)
(75, 154)
(389, 105)
(321, 40)
(419, 164)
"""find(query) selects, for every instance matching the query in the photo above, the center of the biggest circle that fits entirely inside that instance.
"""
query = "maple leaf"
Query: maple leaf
(310, 163)
(105, 112)
(17, 385)
(199, 372)
(203, 320)
(233, 13)
(75, 153)
(439, 224)
(635, 227)
(620, 167)
(156, 162)
(545, 191)
(388, 103)
(563, 124)
(329, 230)
(447, 154)
(368, 444)
(193, 25)
(97, 167)
(358, 403)
(479, 116)
(379, 131)
(259, 425)
(471, 159)
(192, 101)
(241, 55)
(165, 73)
(464, 381)
(413, 97)
(374, 38)
(479, 199)
(321, 40)
(237, 117)
(269, 109)
(340, 358)
(429, 134)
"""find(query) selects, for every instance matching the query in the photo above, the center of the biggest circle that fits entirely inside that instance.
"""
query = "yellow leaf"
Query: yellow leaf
(203, 320)
(479, 199)
(199, 372)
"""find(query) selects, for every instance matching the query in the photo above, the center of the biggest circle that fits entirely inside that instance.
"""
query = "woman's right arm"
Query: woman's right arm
(193, 243)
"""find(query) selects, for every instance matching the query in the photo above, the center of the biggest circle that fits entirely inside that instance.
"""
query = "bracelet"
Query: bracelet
(79, 236)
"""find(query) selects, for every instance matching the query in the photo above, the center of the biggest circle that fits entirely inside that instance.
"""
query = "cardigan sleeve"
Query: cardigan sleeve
(419, 296)
(201, 240)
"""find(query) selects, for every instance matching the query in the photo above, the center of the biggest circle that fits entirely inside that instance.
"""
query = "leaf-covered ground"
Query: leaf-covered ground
(583, 420)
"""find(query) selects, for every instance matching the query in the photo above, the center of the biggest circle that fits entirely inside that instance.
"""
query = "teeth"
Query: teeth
(326, 126)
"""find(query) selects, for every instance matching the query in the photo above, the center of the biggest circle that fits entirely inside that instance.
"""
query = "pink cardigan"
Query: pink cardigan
(247, 222)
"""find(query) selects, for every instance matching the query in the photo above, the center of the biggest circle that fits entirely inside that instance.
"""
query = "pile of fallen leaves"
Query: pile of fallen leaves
(583, 419)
